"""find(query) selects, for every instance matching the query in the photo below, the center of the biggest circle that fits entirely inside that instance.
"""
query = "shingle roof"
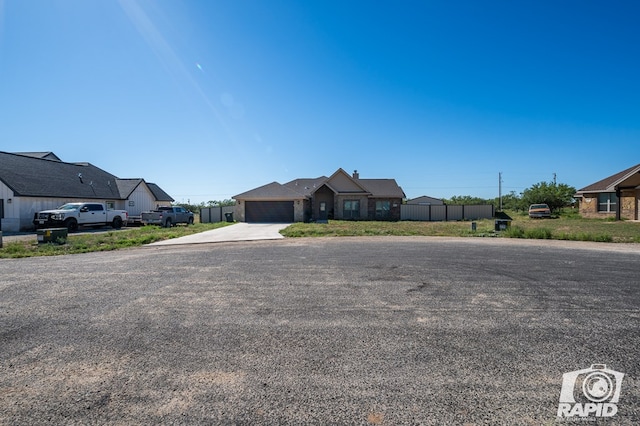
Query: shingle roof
(127, 186)
(305, 187)
(382, 188)
(608, 184)
(48, 155)
(270, 191)
(159, 192)
(34, 176)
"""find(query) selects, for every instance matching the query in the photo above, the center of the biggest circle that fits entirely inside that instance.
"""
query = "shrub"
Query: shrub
(538, 234)
(514, 232)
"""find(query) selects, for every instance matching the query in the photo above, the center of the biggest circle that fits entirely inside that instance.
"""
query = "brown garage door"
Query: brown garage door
(269, 211)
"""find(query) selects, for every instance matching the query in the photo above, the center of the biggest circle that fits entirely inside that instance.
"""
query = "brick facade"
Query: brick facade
(629, 204)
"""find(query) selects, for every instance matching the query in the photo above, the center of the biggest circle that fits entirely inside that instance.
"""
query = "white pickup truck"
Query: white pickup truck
(72, 215)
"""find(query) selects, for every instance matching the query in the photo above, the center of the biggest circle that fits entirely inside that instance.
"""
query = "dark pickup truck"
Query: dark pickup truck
(167, 217)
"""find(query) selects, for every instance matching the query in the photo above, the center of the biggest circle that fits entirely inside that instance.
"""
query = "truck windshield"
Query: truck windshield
(68, 207)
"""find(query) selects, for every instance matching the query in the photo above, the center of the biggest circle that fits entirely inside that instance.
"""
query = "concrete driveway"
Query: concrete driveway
(236, 232)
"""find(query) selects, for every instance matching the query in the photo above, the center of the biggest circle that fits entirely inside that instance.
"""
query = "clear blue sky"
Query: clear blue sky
(210, 98)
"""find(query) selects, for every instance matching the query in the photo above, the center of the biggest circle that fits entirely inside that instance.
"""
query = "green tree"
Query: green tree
(466, 200)
(195, 208)
(510, 201)
(554, 195)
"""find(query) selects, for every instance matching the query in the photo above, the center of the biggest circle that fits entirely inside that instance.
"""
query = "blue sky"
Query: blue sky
(210, 98)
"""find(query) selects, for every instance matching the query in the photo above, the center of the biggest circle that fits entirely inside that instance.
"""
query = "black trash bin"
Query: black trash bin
(229, 217)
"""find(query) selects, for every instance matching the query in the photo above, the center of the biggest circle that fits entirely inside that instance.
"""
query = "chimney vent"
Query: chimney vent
(356, 175)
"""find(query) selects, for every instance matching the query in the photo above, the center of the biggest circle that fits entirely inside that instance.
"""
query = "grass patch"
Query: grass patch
(342, 228)
(103, 241)
(561, 228)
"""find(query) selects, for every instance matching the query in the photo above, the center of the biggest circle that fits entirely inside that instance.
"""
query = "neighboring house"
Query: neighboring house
(426, 201)
(30, 182)
(616, 196)
(340, 196)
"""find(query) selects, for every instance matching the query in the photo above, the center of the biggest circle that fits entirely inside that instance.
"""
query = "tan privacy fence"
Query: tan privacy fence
(446, 212)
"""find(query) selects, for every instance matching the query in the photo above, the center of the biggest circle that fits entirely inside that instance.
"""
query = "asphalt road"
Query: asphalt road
(317, 331)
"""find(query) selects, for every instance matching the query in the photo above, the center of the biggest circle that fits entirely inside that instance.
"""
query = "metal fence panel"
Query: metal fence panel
(438, 213)
(482, 211)
(415, 212)
(455, 212)
(215, 214)
(445, 212)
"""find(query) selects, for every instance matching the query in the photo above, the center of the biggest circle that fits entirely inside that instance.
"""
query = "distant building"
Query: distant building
(426, 201)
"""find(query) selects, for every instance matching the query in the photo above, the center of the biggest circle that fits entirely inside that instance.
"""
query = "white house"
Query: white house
(34, 181)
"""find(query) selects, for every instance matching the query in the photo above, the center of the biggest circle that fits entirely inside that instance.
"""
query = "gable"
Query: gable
(127, 186)
(306, 186)
(341, 182)
(42, 155)
(629, 178)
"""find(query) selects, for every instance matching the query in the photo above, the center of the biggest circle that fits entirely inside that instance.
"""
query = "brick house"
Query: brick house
(615, 196)
(340, 196)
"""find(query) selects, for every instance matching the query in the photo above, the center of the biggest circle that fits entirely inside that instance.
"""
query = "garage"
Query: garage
(269, 211)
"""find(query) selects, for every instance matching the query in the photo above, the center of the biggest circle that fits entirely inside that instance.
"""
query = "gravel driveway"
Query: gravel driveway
(316, 331)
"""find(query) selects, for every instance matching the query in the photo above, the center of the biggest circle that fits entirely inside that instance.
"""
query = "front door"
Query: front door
(323, 211)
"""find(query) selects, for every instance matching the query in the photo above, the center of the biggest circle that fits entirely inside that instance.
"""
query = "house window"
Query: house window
(607, 202)
(383, 209)
(111, 205)
(351, 209)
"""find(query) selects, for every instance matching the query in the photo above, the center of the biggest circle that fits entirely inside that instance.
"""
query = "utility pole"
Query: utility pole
(554, 179)
(500, 189)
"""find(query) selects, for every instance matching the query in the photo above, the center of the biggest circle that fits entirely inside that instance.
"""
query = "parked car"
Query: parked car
(73, 215)
(539, 211)
(167, 217)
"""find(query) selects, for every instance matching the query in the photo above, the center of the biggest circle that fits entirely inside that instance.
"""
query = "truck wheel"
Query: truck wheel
(190, 221)
(71, 225)
(117, 222)
(167, 223)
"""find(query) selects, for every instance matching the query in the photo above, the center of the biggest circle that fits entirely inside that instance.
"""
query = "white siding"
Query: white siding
(11, 220)
(25, 207)
(18, 214)
(143, 200)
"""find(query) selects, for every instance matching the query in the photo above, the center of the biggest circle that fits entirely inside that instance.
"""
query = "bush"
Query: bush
(538, 234)
(514, 232)
(534, 233)
(584, 236)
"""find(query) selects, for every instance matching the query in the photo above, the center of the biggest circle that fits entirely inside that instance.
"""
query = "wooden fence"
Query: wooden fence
(434, 213)
(215, 214)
